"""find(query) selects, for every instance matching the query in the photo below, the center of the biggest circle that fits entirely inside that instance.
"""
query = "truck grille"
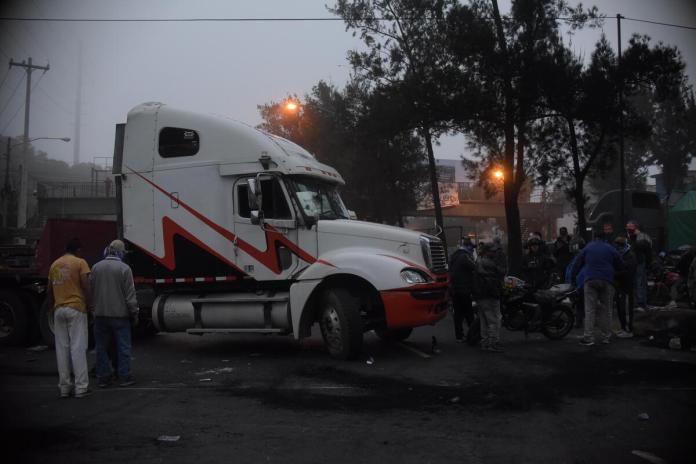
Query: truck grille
(438, 263)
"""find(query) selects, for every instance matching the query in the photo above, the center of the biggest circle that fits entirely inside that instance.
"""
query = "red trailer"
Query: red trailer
(24, 271)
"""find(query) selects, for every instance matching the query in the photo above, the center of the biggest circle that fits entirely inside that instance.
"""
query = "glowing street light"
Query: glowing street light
(292, 106)
(498, 174)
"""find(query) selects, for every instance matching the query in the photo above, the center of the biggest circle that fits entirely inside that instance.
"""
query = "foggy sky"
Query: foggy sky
(223, 67)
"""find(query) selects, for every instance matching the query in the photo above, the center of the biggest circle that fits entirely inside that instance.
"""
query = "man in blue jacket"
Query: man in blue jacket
(601, 261)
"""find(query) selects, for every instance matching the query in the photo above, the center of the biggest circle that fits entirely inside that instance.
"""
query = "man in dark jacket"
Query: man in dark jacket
(642, 246)
(537, 265)
(601, 261)
(461, 270)
(625, 281)
(561, 251)
(488, 288)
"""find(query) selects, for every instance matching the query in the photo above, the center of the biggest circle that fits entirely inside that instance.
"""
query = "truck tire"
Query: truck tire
(14, 320)
(46, 327)
(46, 324)
(340, 323)
(394, 335)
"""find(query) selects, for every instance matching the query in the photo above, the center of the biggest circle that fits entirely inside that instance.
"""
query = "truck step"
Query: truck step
(233, 300)
(260, 330)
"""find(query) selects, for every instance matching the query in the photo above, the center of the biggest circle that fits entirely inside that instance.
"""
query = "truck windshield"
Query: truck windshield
(319, 199)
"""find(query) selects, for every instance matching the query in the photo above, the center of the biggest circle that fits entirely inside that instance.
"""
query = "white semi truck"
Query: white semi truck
(234, 230)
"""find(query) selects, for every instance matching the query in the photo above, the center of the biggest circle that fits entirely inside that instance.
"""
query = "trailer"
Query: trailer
(24, 318)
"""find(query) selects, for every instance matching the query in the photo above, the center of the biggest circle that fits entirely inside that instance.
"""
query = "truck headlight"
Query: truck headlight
(414, 276)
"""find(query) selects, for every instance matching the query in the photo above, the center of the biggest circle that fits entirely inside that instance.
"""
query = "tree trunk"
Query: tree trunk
(579, 191)
(510, 187)
(433, 184)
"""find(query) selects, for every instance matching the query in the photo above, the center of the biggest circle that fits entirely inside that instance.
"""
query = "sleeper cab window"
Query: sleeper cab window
(176, 141)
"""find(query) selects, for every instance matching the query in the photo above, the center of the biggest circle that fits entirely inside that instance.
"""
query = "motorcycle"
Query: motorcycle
(524, 308)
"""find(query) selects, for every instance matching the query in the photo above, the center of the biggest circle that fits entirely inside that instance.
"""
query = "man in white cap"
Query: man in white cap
(116, 308)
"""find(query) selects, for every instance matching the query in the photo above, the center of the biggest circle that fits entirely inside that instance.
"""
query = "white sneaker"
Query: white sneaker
(624, 334)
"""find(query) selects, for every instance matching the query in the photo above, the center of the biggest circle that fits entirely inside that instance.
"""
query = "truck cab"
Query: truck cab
(232, 230)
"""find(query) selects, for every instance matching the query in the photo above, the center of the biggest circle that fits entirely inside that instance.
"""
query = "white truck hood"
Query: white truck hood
(370, 230)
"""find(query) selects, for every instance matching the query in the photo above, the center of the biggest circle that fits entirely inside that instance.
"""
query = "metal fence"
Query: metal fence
(104, 189)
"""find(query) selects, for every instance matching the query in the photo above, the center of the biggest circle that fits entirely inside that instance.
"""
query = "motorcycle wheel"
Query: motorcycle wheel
(559, 323)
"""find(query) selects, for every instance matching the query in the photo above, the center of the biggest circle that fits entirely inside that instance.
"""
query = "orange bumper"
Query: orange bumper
(415, 306)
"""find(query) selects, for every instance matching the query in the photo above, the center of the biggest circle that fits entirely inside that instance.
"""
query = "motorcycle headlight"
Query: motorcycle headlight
(414, 276)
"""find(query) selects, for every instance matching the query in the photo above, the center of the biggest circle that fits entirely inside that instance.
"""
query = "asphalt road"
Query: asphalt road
(269, 399)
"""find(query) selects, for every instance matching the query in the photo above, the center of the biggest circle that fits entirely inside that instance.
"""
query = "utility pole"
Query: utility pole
(622, 161)
(24, 169)
(78, 109)
(6, 187)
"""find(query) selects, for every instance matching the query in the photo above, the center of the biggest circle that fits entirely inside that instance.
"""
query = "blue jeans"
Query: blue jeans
(104, 329)
(641, 285)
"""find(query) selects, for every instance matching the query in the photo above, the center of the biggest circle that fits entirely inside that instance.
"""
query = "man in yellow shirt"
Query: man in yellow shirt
(68, 295)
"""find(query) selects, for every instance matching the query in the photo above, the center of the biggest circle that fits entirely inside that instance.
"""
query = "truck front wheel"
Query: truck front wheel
(340, 323)
(13, 318)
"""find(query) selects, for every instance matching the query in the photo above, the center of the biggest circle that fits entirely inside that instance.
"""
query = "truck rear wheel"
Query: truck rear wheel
(340, 323)
(46, 324)
(46, 327)
(13, 319)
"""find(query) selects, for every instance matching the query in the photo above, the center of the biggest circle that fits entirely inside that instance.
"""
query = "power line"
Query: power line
(55, 102)
(261, 19)
(22, 105)
(19, 82)
(4, 78)
(692, 28)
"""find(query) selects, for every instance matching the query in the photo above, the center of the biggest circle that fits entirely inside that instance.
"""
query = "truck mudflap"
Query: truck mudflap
(415, 306)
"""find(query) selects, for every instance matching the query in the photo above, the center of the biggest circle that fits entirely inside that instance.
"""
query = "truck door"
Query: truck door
(266, 251)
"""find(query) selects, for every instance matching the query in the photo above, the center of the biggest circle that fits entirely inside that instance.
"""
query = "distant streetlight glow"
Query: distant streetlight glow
(498, 174)
(291, 106)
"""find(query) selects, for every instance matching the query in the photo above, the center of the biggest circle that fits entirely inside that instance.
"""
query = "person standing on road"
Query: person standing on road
(116, 309)
(625, 281)
(487, 291)
(601, 261)
(561, 251)
(579, 282)
(68, 296)
(461, 272)
(642, 247)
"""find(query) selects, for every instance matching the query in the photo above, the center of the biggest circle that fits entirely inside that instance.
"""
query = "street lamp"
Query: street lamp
(24, 177)
(498, 174)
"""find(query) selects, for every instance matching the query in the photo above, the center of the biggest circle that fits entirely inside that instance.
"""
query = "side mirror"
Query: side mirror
(252, 193)
(256, 217)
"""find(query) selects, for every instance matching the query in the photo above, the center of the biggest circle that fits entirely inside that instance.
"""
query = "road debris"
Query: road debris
(454, 400)
(37, 348)
(169, 438)
(649, 457)
(370, 361)
(643, 416)
(205, 380)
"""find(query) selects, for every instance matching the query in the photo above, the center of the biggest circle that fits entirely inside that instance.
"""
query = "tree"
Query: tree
(406, 59)
(503, 61)
(348, 130)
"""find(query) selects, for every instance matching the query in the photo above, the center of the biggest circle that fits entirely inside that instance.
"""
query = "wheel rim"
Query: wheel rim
(7, 318)
(558, 323)
(331, 329)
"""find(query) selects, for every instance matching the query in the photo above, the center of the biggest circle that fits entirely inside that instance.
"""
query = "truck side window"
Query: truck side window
(175, 142)
(275, 205)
